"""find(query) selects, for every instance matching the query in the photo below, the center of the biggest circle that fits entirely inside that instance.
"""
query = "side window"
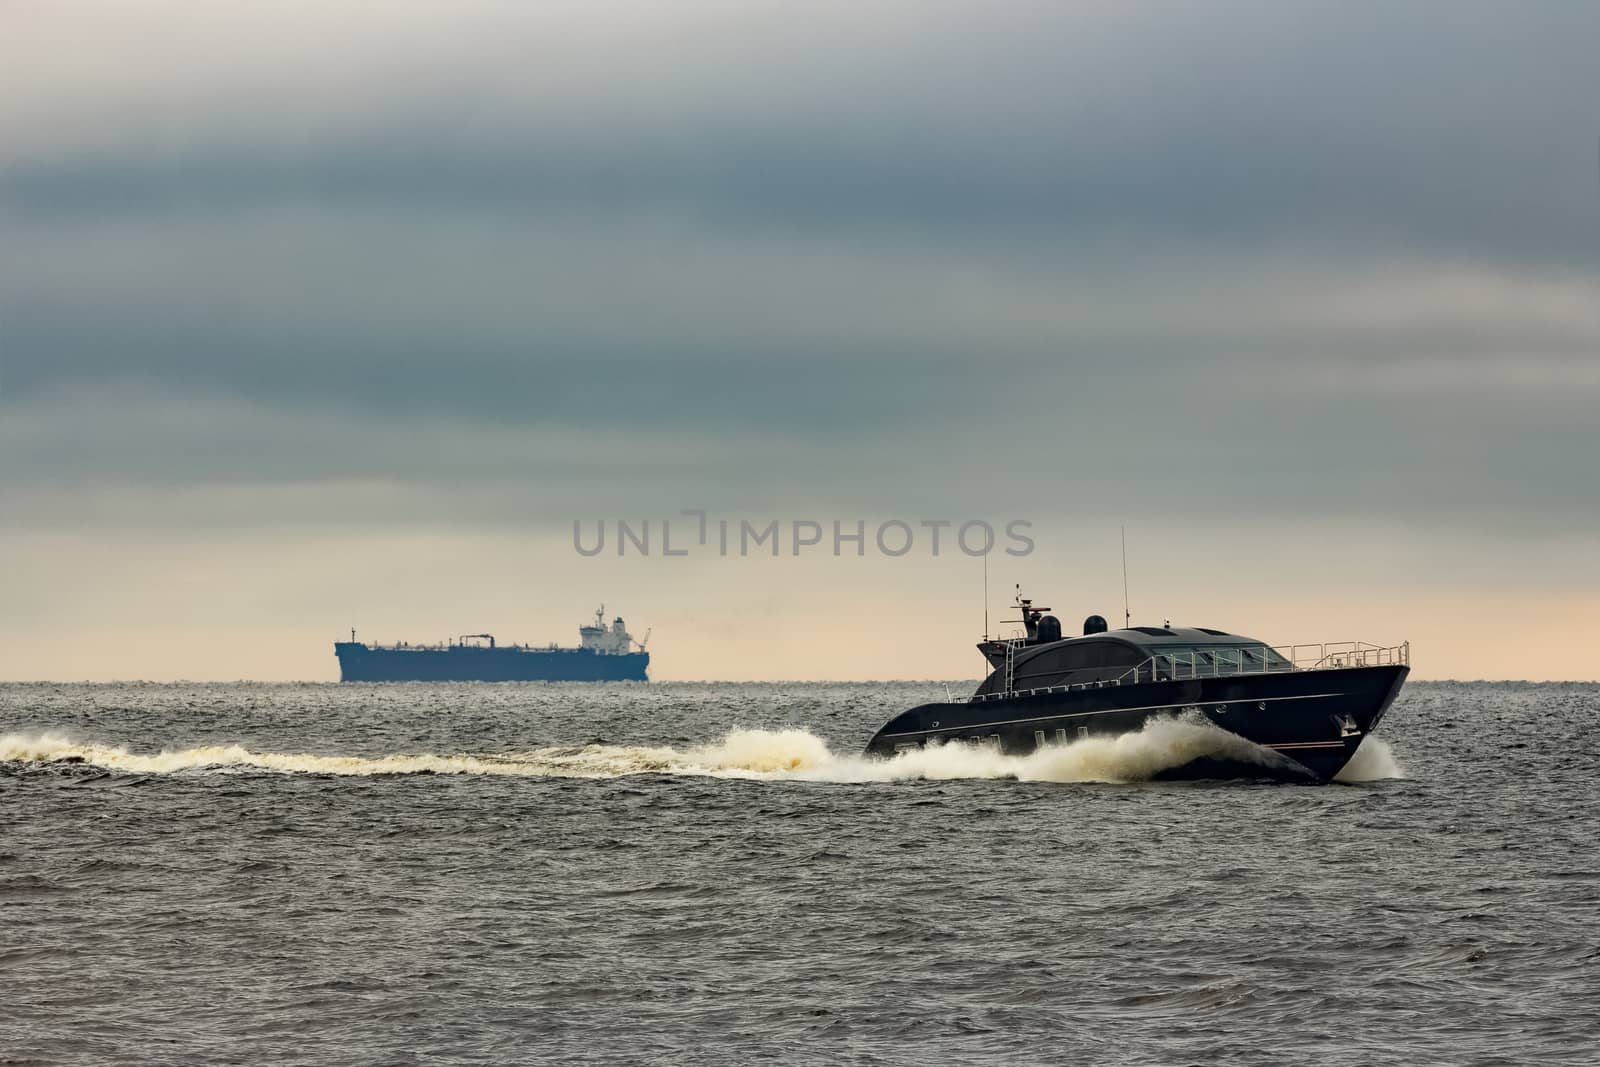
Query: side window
(1089, 654)
(1123, 655)
(1048, 666)
(1051, 662)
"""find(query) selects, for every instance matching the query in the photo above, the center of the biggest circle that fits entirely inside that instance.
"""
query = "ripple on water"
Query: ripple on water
(705, 873)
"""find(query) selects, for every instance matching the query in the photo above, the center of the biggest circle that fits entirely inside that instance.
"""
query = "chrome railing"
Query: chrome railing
(1224, 663)
(1346, 654)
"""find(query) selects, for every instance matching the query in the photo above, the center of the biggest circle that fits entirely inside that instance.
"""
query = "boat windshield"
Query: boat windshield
(1223, 657)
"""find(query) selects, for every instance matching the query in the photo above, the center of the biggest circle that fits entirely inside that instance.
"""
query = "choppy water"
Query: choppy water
(706, 874)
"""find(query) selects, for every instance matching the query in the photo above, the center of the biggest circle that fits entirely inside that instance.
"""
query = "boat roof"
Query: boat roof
(1149, 639)
(1176, 635)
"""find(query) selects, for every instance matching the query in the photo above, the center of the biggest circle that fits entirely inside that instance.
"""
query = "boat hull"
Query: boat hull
(465, 663)
(1310, 722)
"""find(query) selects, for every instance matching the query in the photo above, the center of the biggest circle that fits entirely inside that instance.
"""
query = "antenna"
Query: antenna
(1127, 616)
(986, 596)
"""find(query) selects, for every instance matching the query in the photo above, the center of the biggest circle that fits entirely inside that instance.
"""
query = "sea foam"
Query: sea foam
(1374, 761)
(783, 755)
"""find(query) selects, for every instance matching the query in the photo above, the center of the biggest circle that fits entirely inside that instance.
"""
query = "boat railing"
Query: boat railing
(447, 646)
(410, 646)
(1223, 663)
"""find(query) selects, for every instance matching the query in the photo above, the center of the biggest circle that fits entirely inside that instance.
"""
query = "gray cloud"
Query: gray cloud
(1460, 126)
(1233, 259)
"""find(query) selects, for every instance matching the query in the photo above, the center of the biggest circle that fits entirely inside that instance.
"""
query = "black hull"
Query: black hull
(363, 663)
(1311, 720)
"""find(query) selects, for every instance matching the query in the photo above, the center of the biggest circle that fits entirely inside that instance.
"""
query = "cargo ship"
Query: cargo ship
(604, 654)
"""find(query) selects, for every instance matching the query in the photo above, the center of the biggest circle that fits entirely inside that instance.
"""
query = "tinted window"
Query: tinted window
(1077, 656)
(1055, 666)
(1221, 657)
(1123, 656)
(1091, 654)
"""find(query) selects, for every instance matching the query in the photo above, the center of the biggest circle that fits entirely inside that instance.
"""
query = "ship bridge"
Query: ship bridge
(613, 641)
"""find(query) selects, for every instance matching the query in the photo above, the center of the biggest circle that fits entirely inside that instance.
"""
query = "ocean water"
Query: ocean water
(706, 874)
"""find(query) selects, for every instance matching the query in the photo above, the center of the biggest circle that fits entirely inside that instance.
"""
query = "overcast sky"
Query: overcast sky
(316, 315)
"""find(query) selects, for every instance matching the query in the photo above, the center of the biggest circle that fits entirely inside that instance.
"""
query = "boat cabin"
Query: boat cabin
(1045, 659)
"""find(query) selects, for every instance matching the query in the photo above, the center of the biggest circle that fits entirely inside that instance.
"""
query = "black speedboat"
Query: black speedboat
(1306, 708)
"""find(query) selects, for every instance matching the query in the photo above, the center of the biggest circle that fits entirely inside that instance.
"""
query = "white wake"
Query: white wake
(792, 755)
(1374, 761)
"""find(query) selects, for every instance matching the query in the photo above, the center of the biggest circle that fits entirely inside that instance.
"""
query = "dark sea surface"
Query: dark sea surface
(705, 874)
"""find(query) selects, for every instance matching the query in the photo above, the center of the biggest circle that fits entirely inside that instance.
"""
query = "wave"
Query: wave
(785, 755)
(1374, 761)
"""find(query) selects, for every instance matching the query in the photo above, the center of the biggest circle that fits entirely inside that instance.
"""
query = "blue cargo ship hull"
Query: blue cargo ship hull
(359, 662)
